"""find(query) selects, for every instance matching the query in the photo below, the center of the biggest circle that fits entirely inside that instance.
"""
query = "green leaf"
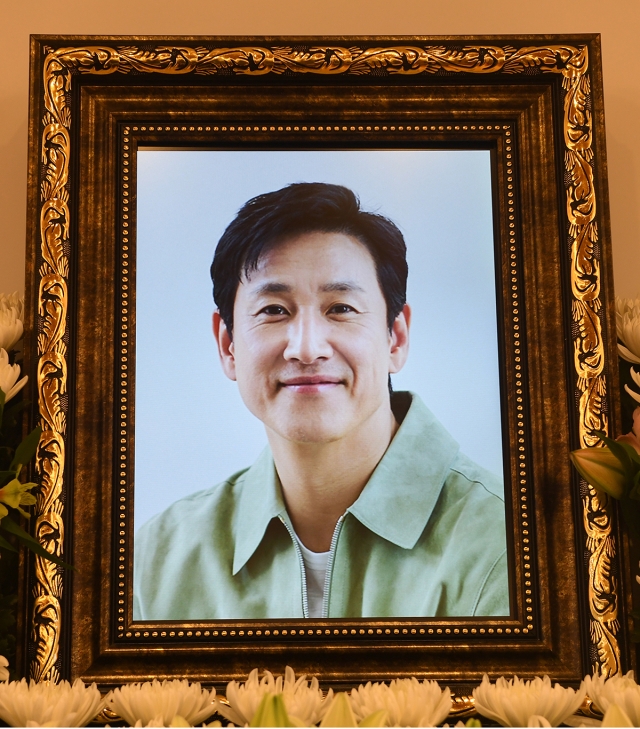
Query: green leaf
(27, 449)
(634, 491)
(6, 545)
(12, 411)
(10, 526)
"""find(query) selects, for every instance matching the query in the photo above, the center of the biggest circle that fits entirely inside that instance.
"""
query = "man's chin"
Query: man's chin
(311, 428)
(310, 436)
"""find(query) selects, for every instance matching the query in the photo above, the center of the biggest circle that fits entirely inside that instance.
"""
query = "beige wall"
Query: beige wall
(617, 20)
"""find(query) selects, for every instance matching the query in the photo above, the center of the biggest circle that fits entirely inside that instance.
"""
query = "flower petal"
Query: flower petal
(339, 713)
(615, 716)
(627, 355)
(16, 388)
(634, 395)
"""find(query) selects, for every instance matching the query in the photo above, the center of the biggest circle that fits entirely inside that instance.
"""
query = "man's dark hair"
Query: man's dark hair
(306, 207)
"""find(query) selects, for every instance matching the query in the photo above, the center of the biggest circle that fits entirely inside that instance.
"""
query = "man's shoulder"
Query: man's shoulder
(482, 481)
(427, 435)
(473, 497)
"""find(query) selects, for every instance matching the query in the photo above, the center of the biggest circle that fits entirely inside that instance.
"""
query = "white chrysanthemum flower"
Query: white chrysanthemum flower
(11, 312)
(155, 701)
(8, 377)
(49, 704)
(303, 700)
(408, 702)
(537, 721)
(177, 721)
(13, 301)
(622, 691)
(4, 671)
(628, 328)
(635, 376)
(516, 702)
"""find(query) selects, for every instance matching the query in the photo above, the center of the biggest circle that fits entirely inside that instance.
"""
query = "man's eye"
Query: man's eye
(341, 309)
(273, 310)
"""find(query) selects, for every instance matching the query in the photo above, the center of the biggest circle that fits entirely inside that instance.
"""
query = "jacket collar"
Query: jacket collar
(402, 492)
(396, 503)
(260, 501)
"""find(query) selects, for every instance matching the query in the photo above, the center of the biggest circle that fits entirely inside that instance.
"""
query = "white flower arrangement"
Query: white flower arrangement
(166, 703)
(407, 702)
(287, 701)
(527, 703)
(303, 700)
(620, 691)
(49, 704)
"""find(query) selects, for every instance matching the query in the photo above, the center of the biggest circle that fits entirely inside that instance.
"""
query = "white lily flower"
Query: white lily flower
(407, 701)
(11, 313)
(516, 702)
(621, 691)
(628, 328)
(49, 704)
(616, 717)
(303, 699)
(155, 701)
(8, 375)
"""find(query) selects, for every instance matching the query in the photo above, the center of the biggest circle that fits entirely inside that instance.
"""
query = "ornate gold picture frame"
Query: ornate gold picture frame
(536, 103)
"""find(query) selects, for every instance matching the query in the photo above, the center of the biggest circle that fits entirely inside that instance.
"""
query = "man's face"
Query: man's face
(311, 350)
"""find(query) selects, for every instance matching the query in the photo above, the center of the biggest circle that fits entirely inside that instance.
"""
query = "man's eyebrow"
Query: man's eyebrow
(276, 287)
(271, 287)
(341, 286)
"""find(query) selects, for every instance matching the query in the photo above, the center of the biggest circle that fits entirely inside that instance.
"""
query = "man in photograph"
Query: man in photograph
(362, 505)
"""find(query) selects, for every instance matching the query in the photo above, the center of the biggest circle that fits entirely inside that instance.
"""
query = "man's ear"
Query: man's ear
(399, 340)
(225, 345)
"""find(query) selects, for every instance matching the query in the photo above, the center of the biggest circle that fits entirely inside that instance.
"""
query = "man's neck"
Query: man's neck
(321, 480)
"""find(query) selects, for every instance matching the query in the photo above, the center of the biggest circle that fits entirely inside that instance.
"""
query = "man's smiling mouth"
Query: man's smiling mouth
(311, 384)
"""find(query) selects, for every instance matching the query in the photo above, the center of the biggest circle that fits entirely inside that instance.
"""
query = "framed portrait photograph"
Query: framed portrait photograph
(447, 219)
(319, 322)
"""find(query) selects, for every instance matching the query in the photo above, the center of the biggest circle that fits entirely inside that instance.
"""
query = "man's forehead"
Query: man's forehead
(309, 246)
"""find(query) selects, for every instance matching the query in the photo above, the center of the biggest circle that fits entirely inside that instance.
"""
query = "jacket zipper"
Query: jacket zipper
(327, 578)
(303, 571)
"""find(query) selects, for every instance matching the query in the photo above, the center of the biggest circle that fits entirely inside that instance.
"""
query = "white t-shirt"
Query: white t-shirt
(315, 567)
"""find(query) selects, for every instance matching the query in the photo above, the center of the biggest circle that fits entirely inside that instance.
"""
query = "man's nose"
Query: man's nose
(307, 338)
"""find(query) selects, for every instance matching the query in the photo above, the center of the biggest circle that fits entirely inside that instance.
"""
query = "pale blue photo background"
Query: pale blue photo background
(191, 427)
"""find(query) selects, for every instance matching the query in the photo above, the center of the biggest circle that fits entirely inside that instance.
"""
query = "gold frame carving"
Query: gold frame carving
(59, 68)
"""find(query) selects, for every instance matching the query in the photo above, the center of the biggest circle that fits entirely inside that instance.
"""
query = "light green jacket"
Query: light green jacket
(426, 537)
